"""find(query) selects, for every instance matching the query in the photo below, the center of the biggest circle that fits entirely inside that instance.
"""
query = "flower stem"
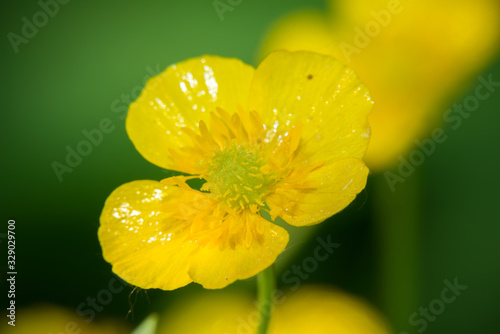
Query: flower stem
(265, 285)
(399, 218)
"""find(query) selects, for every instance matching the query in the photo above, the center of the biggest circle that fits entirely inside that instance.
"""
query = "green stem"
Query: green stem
(398, 220)
(265, 285)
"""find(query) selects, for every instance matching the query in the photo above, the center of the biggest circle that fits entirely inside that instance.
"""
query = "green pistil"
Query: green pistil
(235, 177)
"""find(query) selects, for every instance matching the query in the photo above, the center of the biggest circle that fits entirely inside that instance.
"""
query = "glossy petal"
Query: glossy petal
(141, 240)
(180, 98)
(165, 237)
(322, 95)
(244, 255)
(328, 189)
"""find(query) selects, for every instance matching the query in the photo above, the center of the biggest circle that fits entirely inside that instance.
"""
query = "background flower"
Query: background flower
(413, 55)
(311, 309)
(51, 319)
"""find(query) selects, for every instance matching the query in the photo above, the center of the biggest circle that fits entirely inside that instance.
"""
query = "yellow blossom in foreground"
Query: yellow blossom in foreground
(286, 137)
(311, 309)
(414, 55)
(50, 319)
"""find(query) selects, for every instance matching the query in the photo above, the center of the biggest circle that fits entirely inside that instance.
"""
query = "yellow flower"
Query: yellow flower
(317, 309)
(412, 54)
(311, 309)
(286, 137)
(51, 319)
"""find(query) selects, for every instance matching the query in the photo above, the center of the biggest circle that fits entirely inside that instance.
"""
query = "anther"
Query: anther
(246, 199)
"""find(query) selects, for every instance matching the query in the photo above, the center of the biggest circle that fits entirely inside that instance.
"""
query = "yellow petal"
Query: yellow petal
(159, 236)
(321, 94)
(180, 97)
(140, 239)
(250, 250)
(329, 189)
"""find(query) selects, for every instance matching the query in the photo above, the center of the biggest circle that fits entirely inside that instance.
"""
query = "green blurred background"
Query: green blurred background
(93, 53)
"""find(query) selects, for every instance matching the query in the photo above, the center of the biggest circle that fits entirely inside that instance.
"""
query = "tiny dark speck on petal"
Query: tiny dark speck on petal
(310, 76)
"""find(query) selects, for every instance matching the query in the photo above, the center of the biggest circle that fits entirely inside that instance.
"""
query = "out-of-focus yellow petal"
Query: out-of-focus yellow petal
(304, 30)
(215, 312)
(321, 94)
(358, 11)
(317, 310)
(327, 190)
(178, 99)
(250, 250)
(159, 236)
(142, 240)
(311, 309)
(412, 55)
(418, 61)
(46, 319)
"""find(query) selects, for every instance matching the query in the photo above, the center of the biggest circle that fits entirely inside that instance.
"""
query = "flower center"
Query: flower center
(235, 177)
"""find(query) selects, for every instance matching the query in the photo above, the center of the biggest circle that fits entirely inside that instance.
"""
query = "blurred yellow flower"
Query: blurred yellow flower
(414, 55)
(325, 310)
(47, 319)
(286, 137)
(311, 309)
